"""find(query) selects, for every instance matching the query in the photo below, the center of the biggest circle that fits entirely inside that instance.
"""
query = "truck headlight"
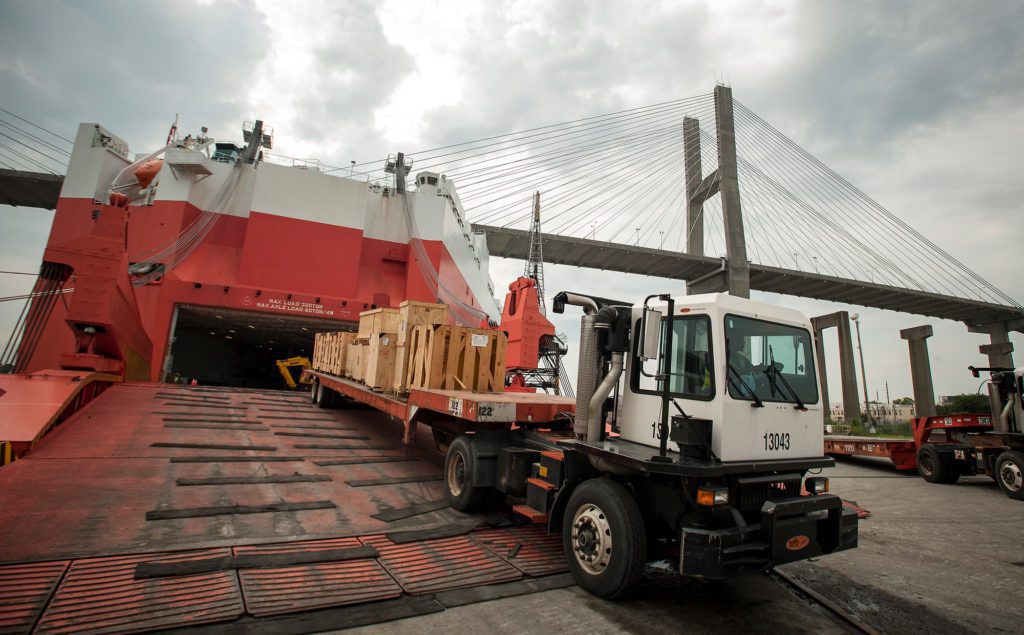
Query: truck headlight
(816, 485)
(711, 495)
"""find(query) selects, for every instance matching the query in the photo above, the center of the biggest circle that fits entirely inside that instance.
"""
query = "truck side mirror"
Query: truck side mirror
(650, 329)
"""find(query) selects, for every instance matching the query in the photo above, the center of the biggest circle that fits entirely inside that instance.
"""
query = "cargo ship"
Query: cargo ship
(232, 260)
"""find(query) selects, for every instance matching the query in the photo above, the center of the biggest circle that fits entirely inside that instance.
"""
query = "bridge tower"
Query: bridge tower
(734, 277)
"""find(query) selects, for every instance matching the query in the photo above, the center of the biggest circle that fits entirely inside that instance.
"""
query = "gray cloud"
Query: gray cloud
(129, 65)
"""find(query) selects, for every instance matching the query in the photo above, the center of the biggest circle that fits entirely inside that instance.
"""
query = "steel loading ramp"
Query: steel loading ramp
(150, 475)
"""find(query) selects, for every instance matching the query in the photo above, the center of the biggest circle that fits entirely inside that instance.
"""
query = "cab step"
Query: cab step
(534, 516)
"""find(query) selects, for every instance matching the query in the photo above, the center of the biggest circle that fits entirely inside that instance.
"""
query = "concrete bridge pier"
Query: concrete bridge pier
(848, 372)
(999, 352)
(920, 369)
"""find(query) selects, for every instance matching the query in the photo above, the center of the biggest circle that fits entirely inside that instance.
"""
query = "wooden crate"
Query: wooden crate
(342, 341)
(378, 321)
(456, 358)
(354, 360)
(379, 371)
(415, 314)
(398, 380)
(318, 350)
(329, 351)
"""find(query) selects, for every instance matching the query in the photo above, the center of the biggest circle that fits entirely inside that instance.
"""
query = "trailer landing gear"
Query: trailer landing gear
(604, 538)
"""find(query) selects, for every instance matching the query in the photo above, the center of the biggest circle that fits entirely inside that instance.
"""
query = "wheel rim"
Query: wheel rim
(1011, 476)
(927, 467)
(456, 474)
(591, 539)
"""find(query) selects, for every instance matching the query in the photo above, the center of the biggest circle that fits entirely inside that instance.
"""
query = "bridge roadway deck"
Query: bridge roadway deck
(41, 190)
(595, 254)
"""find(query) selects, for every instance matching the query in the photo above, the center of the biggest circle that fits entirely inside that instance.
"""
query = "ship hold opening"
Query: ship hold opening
(217, 346)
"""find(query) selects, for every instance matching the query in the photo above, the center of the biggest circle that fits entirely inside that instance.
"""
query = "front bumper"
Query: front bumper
(790, 530)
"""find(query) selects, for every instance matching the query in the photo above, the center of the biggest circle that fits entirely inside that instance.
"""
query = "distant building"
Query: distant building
(882, 412)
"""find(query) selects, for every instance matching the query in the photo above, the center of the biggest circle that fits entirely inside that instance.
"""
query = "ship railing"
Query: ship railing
(302, 164)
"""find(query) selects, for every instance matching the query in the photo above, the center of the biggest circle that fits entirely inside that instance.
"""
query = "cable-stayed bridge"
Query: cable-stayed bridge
(699, 189)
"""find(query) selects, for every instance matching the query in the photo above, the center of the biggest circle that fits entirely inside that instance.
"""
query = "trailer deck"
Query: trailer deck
(257, 505)
(902, 452)
(470, 407)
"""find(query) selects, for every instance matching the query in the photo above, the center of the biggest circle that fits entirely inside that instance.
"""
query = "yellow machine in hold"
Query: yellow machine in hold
(285, 366)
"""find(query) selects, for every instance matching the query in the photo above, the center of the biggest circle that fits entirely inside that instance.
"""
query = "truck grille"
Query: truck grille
(752, 492)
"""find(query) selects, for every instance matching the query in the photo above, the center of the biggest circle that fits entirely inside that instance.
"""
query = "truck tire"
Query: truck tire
(1010, 474)
(314, 390)
(458, 477)
(933, 467)
(604, 538)
(324, 397)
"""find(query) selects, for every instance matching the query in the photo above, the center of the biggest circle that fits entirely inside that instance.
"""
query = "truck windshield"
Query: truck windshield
(773, 362)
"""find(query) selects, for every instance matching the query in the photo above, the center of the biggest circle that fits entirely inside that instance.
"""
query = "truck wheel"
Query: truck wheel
(458, 477)
(930, 465)
(324, 397)
(604, 538)
(314, 390)
(1010, 474)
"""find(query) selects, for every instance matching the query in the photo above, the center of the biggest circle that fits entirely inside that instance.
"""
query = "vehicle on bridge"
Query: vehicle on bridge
(732, 495)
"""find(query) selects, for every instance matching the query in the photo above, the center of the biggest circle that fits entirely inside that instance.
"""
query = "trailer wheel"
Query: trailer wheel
(324, 397)
(458, 477)
(314, 391)
(1010, 474)
(604, 538)
(933, 467)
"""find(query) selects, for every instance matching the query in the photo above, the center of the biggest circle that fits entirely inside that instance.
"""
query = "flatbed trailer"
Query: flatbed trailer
(902, 452)
(451, 412)
(943, 448)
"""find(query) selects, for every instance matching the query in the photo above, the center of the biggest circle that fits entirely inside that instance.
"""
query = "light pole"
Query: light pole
(863, 374)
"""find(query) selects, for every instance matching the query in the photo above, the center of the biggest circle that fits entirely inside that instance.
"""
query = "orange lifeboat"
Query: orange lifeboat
(146, 172)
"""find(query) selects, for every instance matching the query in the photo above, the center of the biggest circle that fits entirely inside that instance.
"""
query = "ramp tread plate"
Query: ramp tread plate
(297, 588)
(24, 591)
(101, 595)
(442, 564)
(529, 548)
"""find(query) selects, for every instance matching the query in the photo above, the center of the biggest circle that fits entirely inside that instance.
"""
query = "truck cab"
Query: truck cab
(697, 424)
(747, 366)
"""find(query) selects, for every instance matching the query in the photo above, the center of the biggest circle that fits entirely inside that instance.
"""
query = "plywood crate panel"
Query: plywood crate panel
(378, 321)
(380, 361)
(329, 351)
(354, 360)
(398, 381)
(342, 341)
(413, 314)
(456, 358)
(318, 350)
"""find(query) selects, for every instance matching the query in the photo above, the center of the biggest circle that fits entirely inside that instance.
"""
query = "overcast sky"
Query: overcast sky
(916, 103)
